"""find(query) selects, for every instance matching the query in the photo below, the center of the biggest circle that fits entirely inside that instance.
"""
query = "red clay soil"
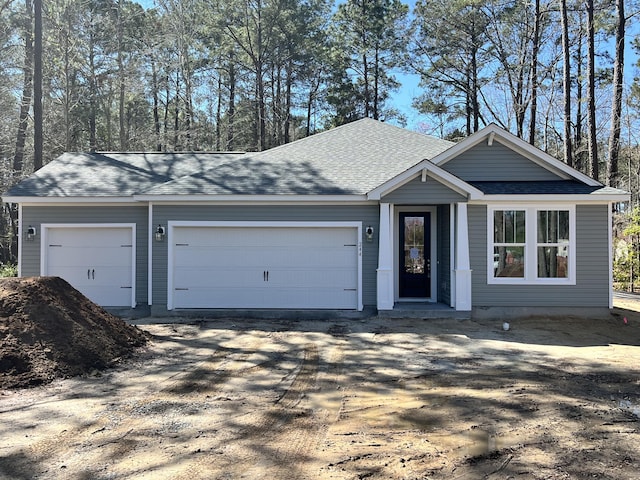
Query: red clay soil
(49, 330)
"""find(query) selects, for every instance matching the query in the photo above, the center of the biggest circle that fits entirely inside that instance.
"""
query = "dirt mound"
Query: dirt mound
(48, 329)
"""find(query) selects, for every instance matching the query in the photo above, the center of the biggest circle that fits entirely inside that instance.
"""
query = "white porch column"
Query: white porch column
(463, 267)
(385, 259)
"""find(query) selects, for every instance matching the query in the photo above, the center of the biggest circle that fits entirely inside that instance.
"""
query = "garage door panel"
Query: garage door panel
(273, 297)
(114, 298)
(339, 277)
(224, 267)
(204, 276)
(85, 236)
(330, 297)
(86, 256)
(204, 297)
(223, 256)
(260, 236)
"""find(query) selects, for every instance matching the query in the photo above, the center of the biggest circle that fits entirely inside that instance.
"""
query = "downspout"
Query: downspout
(452, 255)
(20, 240)
(150, 256)
(610, 243)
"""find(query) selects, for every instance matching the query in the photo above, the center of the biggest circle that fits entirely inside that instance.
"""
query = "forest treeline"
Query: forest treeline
(81, 75)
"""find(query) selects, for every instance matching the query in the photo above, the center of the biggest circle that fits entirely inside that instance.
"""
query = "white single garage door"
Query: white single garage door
(265, 267)
(98, 261)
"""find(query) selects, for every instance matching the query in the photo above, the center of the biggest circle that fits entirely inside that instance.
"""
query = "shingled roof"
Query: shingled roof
(113, 174)
(351, 159)
(559, 187)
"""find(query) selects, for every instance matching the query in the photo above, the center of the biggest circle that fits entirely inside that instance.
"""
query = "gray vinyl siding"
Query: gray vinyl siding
(496, 163)
(418, 192)
(592, 266)
(444, 254)
(37, 215)
(367, 214)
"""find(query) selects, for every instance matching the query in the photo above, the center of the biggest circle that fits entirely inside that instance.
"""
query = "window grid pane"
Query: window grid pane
(509, 227)
(553, 244)
(508, 261)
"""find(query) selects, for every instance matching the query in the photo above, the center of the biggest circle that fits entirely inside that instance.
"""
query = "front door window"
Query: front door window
(415, 259)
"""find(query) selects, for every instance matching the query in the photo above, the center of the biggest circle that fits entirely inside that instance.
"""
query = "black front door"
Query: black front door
(415, 255)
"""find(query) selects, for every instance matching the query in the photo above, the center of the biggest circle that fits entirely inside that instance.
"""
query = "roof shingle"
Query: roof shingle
(351, 159)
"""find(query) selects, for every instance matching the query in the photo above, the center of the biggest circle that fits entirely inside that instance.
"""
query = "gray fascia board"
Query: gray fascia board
(58, 200)
(553, 198)
(253, 198)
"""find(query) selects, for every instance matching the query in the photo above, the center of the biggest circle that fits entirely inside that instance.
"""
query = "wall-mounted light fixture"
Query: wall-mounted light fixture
(31, 233)
(368, 232)
(160, 232)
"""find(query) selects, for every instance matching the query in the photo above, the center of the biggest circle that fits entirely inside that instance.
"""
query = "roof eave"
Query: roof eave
(555, 198)
(251, 198)
(74, 199)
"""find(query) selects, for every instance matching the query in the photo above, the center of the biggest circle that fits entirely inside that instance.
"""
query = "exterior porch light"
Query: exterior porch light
(368, 231)
(31, 233)
(160, 232)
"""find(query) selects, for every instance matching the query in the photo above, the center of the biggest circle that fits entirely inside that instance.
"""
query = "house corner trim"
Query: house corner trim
(385, 260)
(463, 267)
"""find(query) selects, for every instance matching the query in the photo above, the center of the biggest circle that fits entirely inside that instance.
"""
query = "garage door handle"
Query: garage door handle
(88, 274)
(267, 275)
(93, 274)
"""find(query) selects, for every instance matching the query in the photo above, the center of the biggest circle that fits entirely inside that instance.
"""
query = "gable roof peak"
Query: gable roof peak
(493, 132)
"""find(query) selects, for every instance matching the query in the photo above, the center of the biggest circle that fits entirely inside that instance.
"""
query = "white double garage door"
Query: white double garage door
(216, 265)
(257, 265)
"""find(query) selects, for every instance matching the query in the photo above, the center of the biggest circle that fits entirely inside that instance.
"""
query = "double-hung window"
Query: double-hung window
(531, 245)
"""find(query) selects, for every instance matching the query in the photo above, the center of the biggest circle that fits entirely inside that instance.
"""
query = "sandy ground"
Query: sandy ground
(348, 399)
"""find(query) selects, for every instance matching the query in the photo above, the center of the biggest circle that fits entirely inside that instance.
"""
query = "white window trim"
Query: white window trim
(531, 246)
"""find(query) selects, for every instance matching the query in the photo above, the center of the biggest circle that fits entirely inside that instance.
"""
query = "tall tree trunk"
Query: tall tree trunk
(474, 90)
(535, 48)
(27, 90)
(568, 154)
(188, 101)
(231, 107)
(218, 140)
(156, 102)
(580, 161)
(121, 79)
(167, 106)
(616, 104)
(38, 137)
(287, 113)
(67, 82)
(176, 115)
(92, 92)
(261, 126)
(376, 74)
(591, 100)
(259, 66)
(365, 62)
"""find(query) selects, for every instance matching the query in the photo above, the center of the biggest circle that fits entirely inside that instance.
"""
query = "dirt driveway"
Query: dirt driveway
(349, 399)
